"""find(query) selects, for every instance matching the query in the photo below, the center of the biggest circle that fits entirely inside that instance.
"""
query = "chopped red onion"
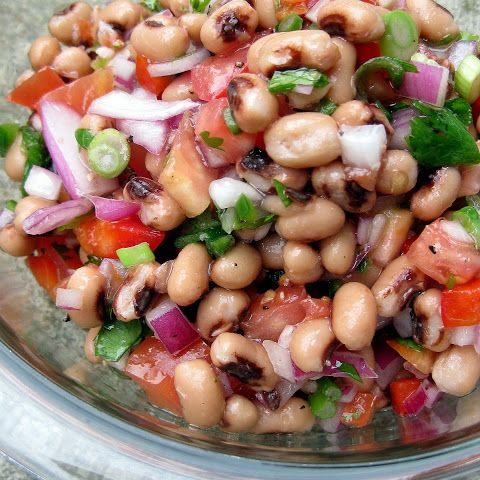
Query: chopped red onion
(123, 105)
(363, 230)
(300, 375)
(123, 71)
(43, 183)
(303, 89)
(463, 336)
(364, 146)
(348, 393)
(225, 192)
(59, 125)
(401, 125)
(415, 403)
(286, 390)
(403, 323)
(171, 326)
(333, 364)
(144, 94)
(286, 336)
(110, 209)
(332, 425)
(212, 157)
(312, 14)
(179, 65)
(6, 217)
(432, 392)
(461, 49)
(388, 364)
(69, 298)
(280, 359)
(48, 218)
(429, 84)
(410, 368)
(378, 224)
(150, 135)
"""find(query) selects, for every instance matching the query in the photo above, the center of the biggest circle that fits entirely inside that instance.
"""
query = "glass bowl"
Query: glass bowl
(71, 419)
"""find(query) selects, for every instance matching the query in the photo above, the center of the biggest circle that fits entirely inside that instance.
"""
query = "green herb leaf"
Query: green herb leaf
(99, 63)
(290, 23)
(462, 109)
(351, 371)
(381, 107)
(408, 342)
(438, 139)
(469, 36)
(363, 265)
(323, 402)
(84, 137)
(217, 247)
(282, 193)
(289, 79)
(116, 338)
(470, 220)
(333, 286)
(246, 211)
(152, 5)
(93, 260)
(10, 205)
(394, 67)
(326, 106)
(8, 132)
(230, 121)
(212, 142)
(451, 281)
(199, 5)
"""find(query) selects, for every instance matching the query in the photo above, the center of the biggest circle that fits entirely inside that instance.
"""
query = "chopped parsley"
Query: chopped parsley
(84, 137)
(462, 109)
(282, 193)
(212, 142)
(152, 5)
(326, 106)
(199, 6)
(287, 80)
(8, 132)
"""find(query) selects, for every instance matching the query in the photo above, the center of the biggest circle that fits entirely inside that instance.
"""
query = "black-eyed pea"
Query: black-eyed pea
(188, 280)
(245, 359)
(271, 251)
(154, 164)
(354, 315)
(393, 236)
(470, 184)
(72, 63)
(457, 370)
(15, 160)
(89, 345)
(123, 13)
(229, 27)
(303, 101)
(295, 416)
(180, 7)
(354, 113)
(160, 30)
(91, 282)
(342, 87)
(302, 264)
(267, 17)
(432, 200)
(357, 22)
(311, 343)
(303, 140)
(221, 311)
(15, 243)
(253, 106)
(65, 25)
(338, 251)
(253, 54)
(43, 51)
(435, 22)
(238, 268)
(316, 220)
(398, 173)
(395, 286)
(200, 393)
(95, 123)
(28, 205)
(240, 414)
(193, 23)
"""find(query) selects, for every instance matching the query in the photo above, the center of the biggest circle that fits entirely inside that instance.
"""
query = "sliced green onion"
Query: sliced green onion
(289, 79)
(109, 153)
(422, 58)
(8, 132)
(469, 218)
(230, 121)
(467, 78)
(99, 63)
(115, 338)
(323, 402)
(290, 23)
(326, 106)
(282, 192)
(84, 137)
(469, 36)
(329, 388)
(136, 255)
(451, 281)
(10, 205)
(400, 39)
(246, 211)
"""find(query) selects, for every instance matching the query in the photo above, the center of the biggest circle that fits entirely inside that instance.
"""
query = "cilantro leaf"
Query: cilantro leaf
(438, 139)
(408, 342)
(116, 338)
(351, 371)
(462, 109)
(152, 5)
(199, 5)
(212, 142)
(326, 106)
(84, 137)
(289, 79)
(282, 192)
(10, 205)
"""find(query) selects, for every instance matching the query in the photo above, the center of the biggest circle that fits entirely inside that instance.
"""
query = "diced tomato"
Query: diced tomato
(408, 243)
(210, 119)
(29, 92)
(476, 110)
(288, 7)
(82, 92)
(155, 85)
(137, 160)
(45, 272)
(359, 412)
(440, 256)
(371, 2)
(184, 176)
(367, 51)
(400, 390)
(421, 360)
(316, 308)
(211, 77)
(103, 239)
(461, 305)
(153, 368)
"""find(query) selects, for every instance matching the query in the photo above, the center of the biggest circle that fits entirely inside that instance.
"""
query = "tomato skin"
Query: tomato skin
(45, 272)
(29, 92)
(400, 390)
(408, 243)
(210, 78)
(137, 160)
(440, 256)
(155, 85)
(102, 239)
(422, 361)
(153, 368)
(461, 305)
(359, 412)
(476, 110)
(367, 51)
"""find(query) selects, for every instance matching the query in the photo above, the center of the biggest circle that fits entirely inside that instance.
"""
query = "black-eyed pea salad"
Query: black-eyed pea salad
(266, 213)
